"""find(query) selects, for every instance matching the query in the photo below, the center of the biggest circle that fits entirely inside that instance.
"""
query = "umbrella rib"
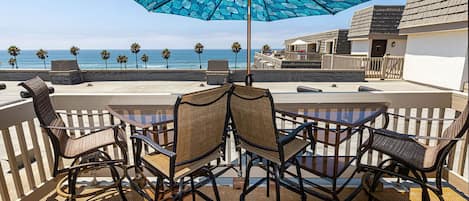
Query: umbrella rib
(160, 4)
(215, 9)
(266, 11)
(324, 7)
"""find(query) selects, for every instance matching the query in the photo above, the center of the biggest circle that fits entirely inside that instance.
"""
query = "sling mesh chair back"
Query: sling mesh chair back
(79, 148)
(200, 124)
(253, 115)
(408, 154)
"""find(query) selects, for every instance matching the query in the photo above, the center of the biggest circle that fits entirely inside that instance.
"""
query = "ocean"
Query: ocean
(91, 59)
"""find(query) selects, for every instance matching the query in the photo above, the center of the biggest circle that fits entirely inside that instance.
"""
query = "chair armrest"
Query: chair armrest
(79, 128)
(70, 113)
(153, 145)
(396, 135)
(392, 134)
(292, 135)
(436, 138)
(418, 118)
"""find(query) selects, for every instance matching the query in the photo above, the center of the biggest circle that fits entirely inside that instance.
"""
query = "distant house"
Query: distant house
(374, 32)
(330, 42)
(437, 43)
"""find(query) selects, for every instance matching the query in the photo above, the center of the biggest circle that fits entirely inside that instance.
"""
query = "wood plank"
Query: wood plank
(459, 182)
(4, 194)
(47, 147)
(80, 121)
(12, 162)
(463, 155)
(25, 156)
(37, 151)
(44, 190)
(70, 123)
(429, 124)
(418, 122)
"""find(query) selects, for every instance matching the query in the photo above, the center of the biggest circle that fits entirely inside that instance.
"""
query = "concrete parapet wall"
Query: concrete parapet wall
(301, 75)
(280, 75)
(21, 75)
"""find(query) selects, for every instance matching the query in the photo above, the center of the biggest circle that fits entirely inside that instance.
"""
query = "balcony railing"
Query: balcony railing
(263, 61)
(387, 67)
(26, 174)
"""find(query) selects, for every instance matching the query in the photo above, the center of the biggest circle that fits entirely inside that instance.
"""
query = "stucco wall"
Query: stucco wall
(398, 49)
(437, 58)
(360, 47)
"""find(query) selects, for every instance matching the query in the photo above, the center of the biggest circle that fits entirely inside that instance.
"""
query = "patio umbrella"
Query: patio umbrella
(257, 10)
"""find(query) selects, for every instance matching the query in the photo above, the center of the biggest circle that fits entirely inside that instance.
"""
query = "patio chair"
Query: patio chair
(84, 150)
(254, 122)
(217, 72)
(408, 155)
(200, 124)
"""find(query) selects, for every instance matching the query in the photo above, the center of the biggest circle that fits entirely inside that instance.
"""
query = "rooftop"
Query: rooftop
(376, 20)
(12, 93)
(421, 13)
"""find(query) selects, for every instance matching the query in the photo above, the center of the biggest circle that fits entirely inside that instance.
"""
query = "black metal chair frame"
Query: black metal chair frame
(278, 171)
(400, 168)
(139, 140)
(92, 159)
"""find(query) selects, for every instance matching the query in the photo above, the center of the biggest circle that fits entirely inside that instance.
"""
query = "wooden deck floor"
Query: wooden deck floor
(230, 194)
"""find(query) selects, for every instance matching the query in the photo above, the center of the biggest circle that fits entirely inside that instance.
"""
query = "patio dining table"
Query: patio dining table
(147, 120)
(337, 123)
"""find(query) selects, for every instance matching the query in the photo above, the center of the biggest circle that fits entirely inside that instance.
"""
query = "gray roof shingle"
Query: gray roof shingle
(419, 13)
(376, 20)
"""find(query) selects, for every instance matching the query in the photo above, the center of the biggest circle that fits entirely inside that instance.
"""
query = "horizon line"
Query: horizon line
(147, 49)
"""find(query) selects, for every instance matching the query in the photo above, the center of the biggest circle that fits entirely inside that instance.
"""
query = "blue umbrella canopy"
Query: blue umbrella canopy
(261, 10)
(257, 10)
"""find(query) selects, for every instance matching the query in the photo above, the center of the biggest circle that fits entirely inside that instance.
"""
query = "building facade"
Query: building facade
(330, 42)
(437, 42)
(374, 32)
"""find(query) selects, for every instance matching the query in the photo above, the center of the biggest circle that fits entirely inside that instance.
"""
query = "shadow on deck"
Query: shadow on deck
(227, 193)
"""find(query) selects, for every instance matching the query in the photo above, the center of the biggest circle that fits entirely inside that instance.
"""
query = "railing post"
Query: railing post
(384, 62)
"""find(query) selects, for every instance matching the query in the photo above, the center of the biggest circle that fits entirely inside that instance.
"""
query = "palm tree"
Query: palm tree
(42, 54)
(122, 59)
(135, 48)
(14, 51)
(166, 54)
(145, 59)
(105, 55)
(266, 48)
(12, 62)
(236, 47)
(74, 50)
(199, 49)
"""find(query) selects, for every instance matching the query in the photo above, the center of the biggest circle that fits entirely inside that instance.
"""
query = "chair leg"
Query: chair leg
(246, 181)
(157, 188)
(214, 185)
(277, 182)
(118, 182)
(72, 178)
(192, 188)
(425, 193)
(267, 169)
(180, 191)
(300, 180)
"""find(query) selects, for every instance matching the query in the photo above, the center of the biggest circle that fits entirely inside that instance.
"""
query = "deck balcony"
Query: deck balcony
(26, 153)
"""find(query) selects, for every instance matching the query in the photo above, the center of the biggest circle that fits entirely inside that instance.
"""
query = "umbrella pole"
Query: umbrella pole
(248, 79)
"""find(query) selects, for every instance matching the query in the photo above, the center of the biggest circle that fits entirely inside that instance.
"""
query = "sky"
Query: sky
(115, 24)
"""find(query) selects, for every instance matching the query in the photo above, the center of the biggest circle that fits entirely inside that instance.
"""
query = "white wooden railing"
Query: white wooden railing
(387, 67)
(22, 139)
